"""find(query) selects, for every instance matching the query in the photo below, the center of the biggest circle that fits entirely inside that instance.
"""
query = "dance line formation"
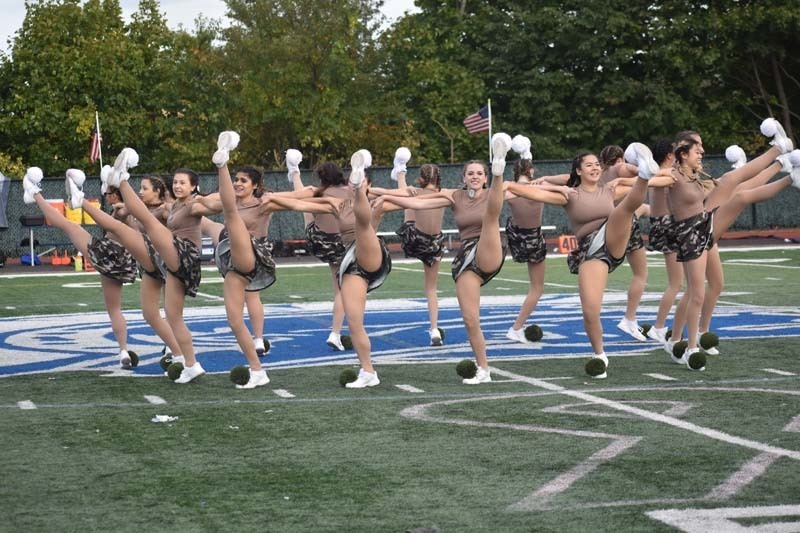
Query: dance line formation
(156, 234)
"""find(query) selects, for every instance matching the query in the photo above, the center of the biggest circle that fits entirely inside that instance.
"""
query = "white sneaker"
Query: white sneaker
(658, 334)
(190, 372)
(365, 379)
(259, 346)
(501, 144)
(436, 337)
(124, 359)
(226, 142)
(105, 172)
(604, 358)
(293, 160)
(516, 335)
(30, 184)
(736, 156)
(794, 160)
(257, 379)
(645, 163)
(127, 159)
(772, 128)
(631, 327)
(687, 354)
(335, 341)
(359, 161)
(522, 145)
(401, 157)
(668, 345)
(482, 376)
(710, 351)
(75, 194)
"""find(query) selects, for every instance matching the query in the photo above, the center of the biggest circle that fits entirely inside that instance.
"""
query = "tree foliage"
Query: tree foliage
(325, 77)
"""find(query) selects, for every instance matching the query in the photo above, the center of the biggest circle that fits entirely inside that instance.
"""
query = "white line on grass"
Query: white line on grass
(283, 393)
(409, 388)
(662, 377)
(155, 400)
(211, 297)
(749, 472)
(656, 417)
(779, 372)
(26, 405)
(702, 520)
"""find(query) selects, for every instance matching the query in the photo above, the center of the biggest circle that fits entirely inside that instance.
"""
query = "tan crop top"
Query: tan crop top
(587, 210)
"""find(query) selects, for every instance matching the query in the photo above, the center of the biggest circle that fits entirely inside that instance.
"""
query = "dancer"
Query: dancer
(477, 215)
(524, 234)
(178, 246)
(701, 220)
(365, 264)
(616, 172)
(602, 229)
(421, 232)
(108, 256)
(322, 231)
(660, 221)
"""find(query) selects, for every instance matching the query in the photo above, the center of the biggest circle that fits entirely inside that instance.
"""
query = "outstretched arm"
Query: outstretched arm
(538, 193)
(558, 179)
(274, 202)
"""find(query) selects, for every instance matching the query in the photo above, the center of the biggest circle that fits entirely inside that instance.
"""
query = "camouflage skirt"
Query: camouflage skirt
(465, 260)
(160, 272)
(327, 247)
(658, 238)
(263, 273)
(188, 271)
(593, 247)
(112, 260)
(527, 245)
(427, 248)
(692, 236)
(635, 242)
(349, 265)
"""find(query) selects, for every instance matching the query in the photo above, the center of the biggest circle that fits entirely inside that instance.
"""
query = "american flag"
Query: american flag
(478, 121)
(97, 140)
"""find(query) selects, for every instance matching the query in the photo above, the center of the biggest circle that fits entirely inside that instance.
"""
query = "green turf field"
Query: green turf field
(542, 448)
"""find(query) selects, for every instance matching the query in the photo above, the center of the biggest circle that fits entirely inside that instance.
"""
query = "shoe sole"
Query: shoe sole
(332, 345)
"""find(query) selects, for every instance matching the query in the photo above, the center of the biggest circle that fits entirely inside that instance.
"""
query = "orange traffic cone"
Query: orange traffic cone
(87, 265)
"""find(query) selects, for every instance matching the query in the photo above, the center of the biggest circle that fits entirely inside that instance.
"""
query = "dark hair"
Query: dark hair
(474, 162)
(610, 155)
(684, 147)
(158, 185)
(113, 190)
(430, 175)
(523, 167)
(255, 176)
(194, 179)
(330, 175)
(574, 178)
(661, 150)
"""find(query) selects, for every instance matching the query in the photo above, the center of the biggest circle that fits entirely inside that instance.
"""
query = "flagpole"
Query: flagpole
(99, 137)
(489, 105)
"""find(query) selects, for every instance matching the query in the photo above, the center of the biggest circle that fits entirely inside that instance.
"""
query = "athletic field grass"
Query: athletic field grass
(654, 447)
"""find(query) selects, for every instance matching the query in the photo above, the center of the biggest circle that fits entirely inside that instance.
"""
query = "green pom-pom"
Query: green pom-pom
(708, 340)
(134, 358)
(467, 368)
(534, 333)
(174, 371)
(347, 342)
(441, 333)
(240, 374)
(668, 335)
(697, 361)
(165, 362)
(645, 328)
(595, 367)
(679, 348)
(348, 375)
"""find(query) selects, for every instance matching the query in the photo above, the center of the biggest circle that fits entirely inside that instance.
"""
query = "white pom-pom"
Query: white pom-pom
(769, 127)
(521, 145)
(105, 172)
